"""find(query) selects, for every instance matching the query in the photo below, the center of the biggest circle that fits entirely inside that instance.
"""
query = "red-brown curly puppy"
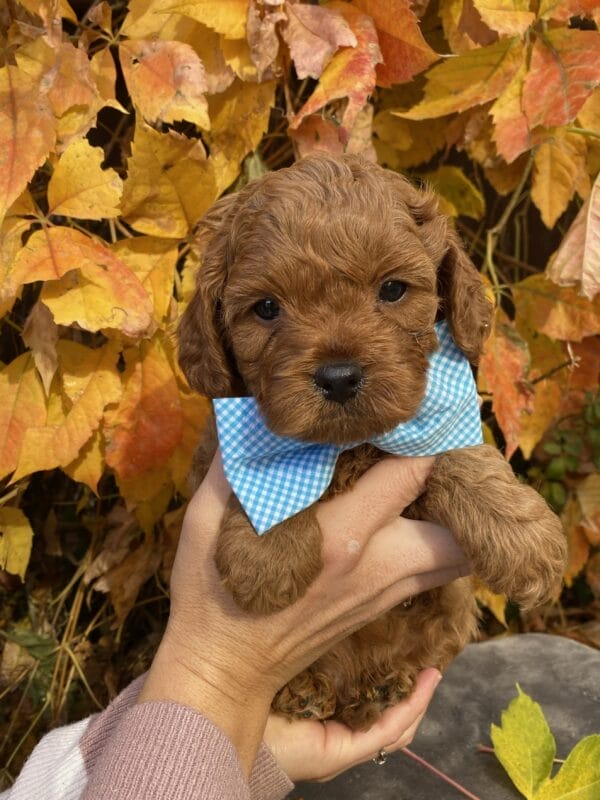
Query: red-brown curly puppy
(336, 260)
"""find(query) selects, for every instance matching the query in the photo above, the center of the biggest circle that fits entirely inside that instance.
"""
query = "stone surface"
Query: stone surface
(561, 675)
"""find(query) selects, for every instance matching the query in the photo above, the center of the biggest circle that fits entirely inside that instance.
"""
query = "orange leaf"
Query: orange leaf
(469, 79)
(146, 427)
(350, 74)
(535, 423)
(166, 80)
(511, 130)
(559, 312)
(95, 289)
(153, 261)
(563, 10)
(577, 543)
(313, 34)
(578, 257)
(563, 71)
(91, 382)
(22, 405)
(504, 368)
(26, 132)
(195, 411)
(404, 51)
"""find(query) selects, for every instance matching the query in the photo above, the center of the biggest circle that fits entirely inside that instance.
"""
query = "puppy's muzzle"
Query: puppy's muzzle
(339, 381)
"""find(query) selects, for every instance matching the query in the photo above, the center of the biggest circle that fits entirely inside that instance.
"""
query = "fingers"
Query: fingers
(207, 505)
(394, 730)
(379, 495)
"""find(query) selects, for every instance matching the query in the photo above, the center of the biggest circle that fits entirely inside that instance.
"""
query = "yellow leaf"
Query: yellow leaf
(226, 16)
(469, 79)
(511, 17)
(578, 546)
(95, 289)
(495, 602)
(195, 411)
(40, 334)
(153, 261)
(88, 467)
(170, 183)
(27, 132)
(524, 745)
(91, 382)
(403, 143)
(146, 427)
(79, 187)
(238, 58)
(22, 405)
(166, 81)
(559, 169)
(535, 422)
(15, 541)
(239, 118)
(579, 777)
(454, 186)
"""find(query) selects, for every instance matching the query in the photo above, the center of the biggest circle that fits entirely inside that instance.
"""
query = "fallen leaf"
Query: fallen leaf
(578, 546)
(504, 368)
(578, 257)
(170, 183)
(535, 422)
(496, 603)
(16, 537)
(313, 34)
(23, 406)
(349, 75)
(559, 312)
(166, 81)
(579, 776)
(469, 79)
(40, 334)
(89, 465)
(563, 71)
(404, 51)
(317, 135)
(79, 187)
(524, 744)
(27, 132)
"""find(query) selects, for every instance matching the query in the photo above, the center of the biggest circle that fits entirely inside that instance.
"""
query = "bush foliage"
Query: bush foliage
(120, 124)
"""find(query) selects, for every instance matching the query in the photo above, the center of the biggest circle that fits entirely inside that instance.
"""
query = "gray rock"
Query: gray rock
(561, 675)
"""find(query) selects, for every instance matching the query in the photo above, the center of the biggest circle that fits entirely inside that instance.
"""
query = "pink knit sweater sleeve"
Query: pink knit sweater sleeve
(165, 750)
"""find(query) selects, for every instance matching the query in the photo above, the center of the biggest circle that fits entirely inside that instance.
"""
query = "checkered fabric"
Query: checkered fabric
(275, 477)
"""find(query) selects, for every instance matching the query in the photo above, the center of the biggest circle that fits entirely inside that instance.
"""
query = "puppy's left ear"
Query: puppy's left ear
(462, 298)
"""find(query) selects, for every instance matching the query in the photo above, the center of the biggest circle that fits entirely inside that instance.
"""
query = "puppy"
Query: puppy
(338, 264)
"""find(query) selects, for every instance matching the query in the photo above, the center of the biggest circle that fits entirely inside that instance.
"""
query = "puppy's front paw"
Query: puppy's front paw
(268, 573)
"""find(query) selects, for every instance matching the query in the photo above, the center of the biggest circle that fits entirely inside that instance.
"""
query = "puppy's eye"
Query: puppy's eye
(391, 291)
(267, 309)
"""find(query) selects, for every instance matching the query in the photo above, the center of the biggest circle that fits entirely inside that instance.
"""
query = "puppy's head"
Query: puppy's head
(318, 293)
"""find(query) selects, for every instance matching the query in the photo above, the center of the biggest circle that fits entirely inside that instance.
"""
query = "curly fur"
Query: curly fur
(321, 237)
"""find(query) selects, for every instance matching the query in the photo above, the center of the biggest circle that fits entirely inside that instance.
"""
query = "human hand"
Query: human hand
(308, 750)
(228, 664)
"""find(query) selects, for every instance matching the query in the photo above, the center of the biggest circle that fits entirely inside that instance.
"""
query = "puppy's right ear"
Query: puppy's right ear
(202, 354)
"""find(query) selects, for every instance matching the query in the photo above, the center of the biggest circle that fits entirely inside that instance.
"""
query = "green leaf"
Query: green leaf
(579, 776)
(524, 744)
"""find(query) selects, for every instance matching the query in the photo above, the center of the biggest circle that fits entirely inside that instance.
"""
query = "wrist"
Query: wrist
(238, 709)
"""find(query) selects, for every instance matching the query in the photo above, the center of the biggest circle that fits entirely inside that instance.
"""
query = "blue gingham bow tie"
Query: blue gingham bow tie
(275, 477)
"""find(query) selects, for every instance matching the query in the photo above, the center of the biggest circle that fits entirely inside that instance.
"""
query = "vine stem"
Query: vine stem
(493, 234)
(583, 131)
(439, 774)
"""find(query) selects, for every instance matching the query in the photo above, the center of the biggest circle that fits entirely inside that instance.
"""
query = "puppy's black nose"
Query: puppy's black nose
(339, 381)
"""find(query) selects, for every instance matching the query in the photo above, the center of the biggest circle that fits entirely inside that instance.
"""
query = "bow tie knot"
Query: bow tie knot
(275, 477)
